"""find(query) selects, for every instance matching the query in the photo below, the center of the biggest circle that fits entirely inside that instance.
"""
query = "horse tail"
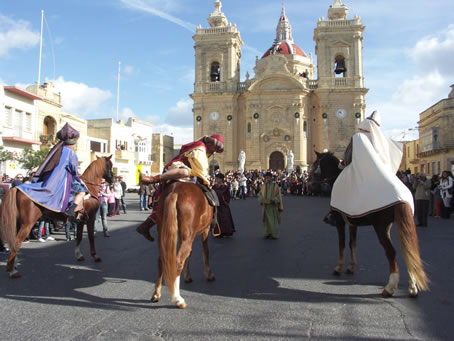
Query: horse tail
(8, 219)
(168, 240)
(409, 245)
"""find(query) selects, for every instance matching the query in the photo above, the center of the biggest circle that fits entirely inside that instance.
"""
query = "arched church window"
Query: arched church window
(249, 130)
(215, 72)
(339, 66)
(305, 129)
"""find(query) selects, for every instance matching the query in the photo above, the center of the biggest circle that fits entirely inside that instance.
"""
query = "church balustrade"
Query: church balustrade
(339, 23)
(216, 30)
(312, 83)
(340, 82)
(215, 86)
(243, 86)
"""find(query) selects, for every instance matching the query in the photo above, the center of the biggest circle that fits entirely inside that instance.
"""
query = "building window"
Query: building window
(8, 116)
(17, 122)
(439, 167)
(433, 168)
(215, 72)
(28, 121)
(249, 130)
(305, 129)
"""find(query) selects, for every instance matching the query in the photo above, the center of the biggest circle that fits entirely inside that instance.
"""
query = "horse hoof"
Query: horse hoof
(97, 259)
(211, 279)
(80, 259)
(336, 273)
(155, 298)
(182, 305)
(386, 294)
(349, 272)
(15, 275)
(189, 280)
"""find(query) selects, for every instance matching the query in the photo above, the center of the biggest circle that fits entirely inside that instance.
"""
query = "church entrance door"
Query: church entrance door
(276, 160)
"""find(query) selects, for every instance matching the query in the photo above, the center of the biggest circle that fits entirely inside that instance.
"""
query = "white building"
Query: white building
(18, 111)
(130, 145)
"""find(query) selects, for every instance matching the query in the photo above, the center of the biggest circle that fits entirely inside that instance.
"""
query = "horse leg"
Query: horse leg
(182, 255)
(91, 236)
(186, 272)
(340, 226)
(27, 221)
(383, 233)
(157, 288)
(24, 231)
(352, 267)
(207, 269)
(79, 256)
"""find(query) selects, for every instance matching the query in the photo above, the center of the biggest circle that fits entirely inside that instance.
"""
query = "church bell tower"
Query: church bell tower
(217, 77)
(340, 96)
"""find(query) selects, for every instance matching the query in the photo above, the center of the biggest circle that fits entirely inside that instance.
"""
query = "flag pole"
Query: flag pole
(118, 90)
(40, 52)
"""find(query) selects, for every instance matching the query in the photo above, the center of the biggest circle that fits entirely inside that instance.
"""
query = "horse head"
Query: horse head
(326, 166)
(105, 166)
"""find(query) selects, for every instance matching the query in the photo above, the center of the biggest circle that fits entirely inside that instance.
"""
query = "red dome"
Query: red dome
(285, 48)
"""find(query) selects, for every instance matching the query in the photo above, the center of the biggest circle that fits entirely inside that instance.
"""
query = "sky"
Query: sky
(408, 50)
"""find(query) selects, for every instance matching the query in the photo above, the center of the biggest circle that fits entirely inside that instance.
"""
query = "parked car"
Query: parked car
(4, 187)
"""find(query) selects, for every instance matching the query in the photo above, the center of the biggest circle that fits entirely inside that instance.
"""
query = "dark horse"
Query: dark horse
(326, 166)
(184, 212)
(18, 214)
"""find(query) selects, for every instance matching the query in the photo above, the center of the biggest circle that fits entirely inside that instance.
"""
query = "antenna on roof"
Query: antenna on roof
(118, 89)
(40, 51)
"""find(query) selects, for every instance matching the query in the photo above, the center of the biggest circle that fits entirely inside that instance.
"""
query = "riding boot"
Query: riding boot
(330, 219)
(144, 228)
(150, 179)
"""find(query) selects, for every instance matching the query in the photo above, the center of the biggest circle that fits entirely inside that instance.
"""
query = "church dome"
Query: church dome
(283, 44)
(285, 48)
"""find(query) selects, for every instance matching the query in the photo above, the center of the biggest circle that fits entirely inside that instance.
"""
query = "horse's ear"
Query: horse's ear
(109, 157)
(97, 157)
(317, 153)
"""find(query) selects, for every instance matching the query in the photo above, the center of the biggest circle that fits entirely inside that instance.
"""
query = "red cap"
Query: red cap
(218, 137)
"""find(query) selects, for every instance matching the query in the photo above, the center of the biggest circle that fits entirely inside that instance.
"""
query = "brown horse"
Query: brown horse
(184, 212)
(18, 214)
(326, 167)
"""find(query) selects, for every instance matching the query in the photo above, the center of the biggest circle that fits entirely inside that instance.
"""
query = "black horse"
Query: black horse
(326, 166)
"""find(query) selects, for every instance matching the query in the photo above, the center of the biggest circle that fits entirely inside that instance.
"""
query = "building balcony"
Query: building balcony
(48, 139)
(124, 155)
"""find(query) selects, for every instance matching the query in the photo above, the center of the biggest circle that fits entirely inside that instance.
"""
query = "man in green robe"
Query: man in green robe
(271, 201)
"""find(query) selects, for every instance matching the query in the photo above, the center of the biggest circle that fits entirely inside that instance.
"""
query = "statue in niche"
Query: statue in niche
(290, 158)
(242, 161)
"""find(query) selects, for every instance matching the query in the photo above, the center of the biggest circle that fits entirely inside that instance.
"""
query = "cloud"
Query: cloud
(150, 7)
(436, 52)
(181, 114)
(181, 135)
(79, 98)
(16, 35)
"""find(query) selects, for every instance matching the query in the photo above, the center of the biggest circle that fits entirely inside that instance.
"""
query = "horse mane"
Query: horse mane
(96, 167)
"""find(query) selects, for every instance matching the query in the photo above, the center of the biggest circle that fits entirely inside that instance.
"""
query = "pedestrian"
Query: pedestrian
(421, 186)
(224, 214)
(118, 192)
(111, 202)
(242, 182)
(434, 182)
(144, 191)
(103, 196)
(43, 231)
(271, 202)
(446, 185)
(70, 225)
(18, 180)
(3, 249)
(122, 199)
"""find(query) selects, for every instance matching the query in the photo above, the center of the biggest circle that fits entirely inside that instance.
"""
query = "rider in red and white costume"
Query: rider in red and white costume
(191, 161)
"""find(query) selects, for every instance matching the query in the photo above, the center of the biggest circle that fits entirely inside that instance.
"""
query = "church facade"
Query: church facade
(290, 106)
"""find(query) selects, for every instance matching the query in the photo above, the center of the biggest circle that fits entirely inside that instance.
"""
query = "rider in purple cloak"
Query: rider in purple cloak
(56, 182)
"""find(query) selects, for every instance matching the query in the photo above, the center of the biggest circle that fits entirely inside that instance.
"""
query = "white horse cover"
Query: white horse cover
(369, 183)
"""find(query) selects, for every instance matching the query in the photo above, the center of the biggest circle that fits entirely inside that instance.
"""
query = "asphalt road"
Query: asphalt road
(264, 289)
